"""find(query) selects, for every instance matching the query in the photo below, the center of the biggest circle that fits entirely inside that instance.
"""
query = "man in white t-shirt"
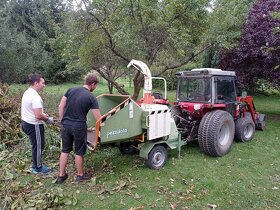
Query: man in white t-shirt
(32, 121)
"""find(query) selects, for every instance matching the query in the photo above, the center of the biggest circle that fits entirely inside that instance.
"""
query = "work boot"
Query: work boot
(61, 179)
(84, 177)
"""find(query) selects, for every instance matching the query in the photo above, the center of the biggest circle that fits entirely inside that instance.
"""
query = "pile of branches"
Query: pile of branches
(17, 192)
(9, 115)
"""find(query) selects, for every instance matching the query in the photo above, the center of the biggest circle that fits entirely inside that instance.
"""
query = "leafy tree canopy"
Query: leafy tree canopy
(150, 31)
(258, 54)
(225, 23)
(32, 36)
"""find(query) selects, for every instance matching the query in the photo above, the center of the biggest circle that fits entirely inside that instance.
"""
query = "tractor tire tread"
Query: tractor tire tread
(240, 128)
(208, 133)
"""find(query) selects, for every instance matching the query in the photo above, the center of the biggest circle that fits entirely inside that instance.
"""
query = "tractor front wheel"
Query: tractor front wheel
(216, 133)
(157, 157)
(244, 129)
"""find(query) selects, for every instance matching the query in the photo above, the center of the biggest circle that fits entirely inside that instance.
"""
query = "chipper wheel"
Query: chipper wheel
(157, 157)
(216, 133)
(244, 129)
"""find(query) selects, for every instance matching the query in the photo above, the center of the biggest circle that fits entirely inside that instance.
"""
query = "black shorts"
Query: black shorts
(78, 136)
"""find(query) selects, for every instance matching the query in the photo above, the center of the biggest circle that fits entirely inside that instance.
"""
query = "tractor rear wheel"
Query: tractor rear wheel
(244, 129)
(157, 157)
(216, 133)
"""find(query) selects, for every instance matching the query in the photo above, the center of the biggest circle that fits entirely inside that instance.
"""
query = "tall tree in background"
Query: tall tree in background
(28, 30)
(258, 55)
(226, 21)
(14, 47)
(164, 34)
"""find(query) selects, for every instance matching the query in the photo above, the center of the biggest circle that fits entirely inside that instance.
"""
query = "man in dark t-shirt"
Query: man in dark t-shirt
(73, 109)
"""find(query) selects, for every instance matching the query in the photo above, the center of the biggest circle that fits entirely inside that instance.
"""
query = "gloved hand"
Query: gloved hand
(50, 121)
(91, 129)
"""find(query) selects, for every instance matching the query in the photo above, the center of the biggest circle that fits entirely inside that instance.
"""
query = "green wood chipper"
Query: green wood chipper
(144, 126)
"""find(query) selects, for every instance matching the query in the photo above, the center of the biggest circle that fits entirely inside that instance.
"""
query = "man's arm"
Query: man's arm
(61, 107)
(38, 112)
(96, 113)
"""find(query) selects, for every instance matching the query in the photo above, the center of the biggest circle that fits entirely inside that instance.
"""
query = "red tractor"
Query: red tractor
(208, 109)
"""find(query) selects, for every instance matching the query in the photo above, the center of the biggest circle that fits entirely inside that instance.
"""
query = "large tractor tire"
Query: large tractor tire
(216, 133)
(244, 129)
(175, 112)
(157, 157)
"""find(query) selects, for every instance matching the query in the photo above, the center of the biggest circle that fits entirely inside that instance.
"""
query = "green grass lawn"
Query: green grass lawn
(246, 178)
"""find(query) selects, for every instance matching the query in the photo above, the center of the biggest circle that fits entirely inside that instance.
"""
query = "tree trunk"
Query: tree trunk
(138, 82)
(251, 88)
(110, 87)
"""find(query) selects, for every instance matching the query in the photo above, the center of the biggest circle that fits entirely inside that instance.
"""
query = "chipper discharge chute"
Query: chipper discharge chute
(147, 127)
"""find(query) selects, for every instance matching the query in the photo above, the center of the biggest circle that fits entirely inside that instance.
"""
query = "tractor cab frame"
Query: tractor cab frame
(200, 89)
(206, 86)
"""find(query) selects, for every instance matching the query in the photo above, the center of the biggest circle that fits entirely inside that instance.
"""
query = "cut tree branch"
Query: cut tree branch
(116, 85)
(110, 39)
(184, 62)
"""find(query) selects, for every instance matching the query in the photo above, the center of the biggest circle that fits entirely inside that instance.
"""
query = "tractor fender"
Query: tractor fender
(148, 146)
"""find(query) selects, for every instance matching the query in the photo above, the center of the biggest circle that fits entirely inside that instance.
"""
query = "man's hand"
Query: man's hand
(91, 129)
(50, 121)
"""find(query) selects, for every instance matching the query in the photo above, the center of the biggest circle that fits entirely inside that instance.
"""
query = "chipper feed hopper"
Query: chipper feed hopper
(146, 127)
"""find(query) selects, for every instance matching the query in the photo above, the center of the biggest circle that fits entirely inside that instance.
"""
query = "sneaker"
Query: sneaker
(85, 177)
(61, 179)
(43, 170)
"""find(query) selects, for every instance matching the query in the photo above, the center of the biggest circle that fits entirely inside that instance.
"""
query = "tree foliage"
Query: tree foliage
(31, 37)
(164, 34)
(56, 39)
(226, 21)
(9, 115)
(257, 56)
